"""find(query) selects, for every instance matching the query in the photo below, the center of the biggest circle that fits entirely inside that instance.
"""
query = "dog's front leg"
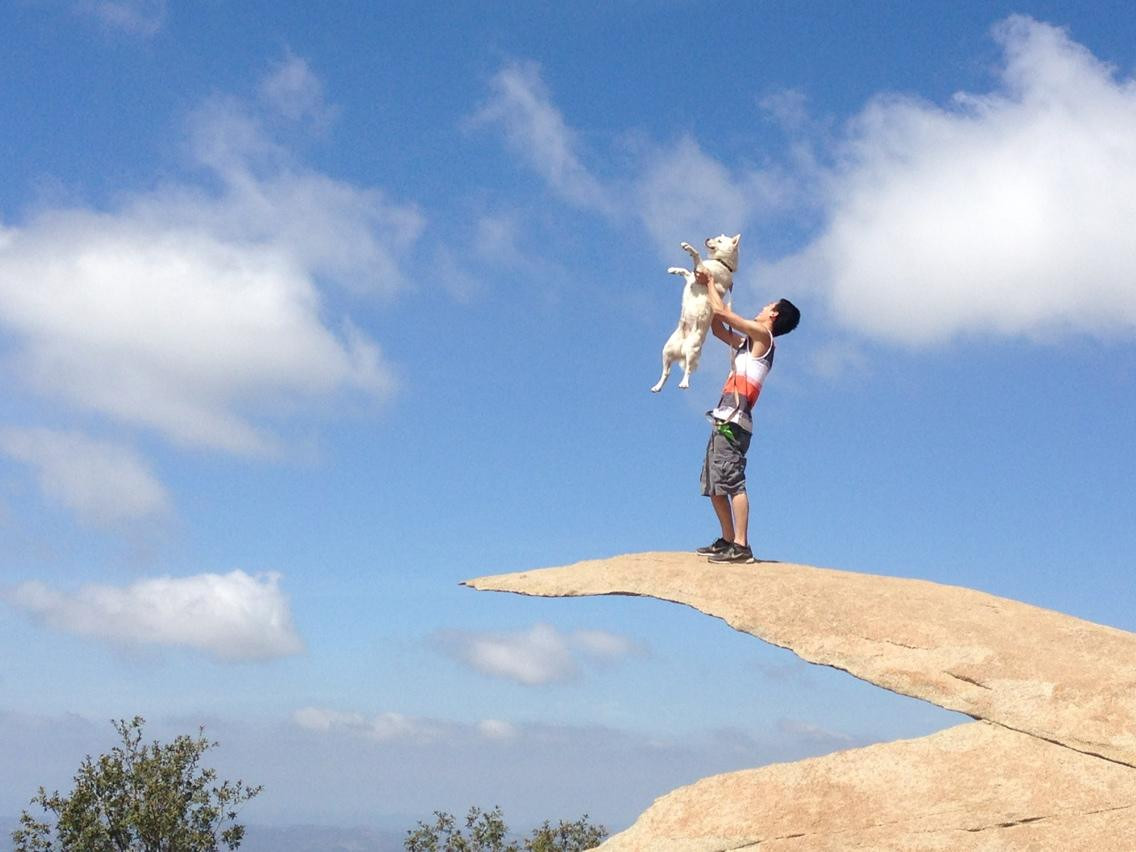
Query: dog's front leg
(693, 252)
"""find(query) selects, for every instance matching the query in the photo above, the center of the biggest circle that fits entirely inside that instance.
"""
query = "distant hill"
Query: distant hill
(320, 838)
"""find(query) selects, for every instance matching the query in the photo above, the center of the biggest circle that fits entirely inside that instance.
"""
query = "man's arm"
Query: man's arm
(722, 314)
(724, 334)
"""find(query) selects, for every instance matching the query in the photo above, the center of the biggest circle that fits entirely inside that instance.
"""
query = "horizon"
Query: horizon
(307, 318)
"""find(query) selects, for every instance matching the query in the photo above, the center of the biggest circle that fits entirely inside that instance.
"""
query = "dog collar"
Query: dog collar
(732, 270)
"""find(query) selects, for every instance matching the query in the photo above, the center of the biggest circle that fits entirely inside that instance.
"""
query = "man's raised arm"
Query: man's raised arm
(722, 314)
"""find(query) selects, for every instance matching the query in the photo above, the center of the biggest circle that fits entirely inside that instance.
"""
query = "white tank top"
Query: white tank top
(743, 386)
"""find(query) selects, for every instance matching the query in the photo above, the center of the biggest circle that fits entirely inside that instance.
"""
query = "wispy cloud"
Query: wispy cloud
(396, 727)
(104, 483)
(536, 656)
(193, 308)
(232, 617)
(137, 17)
(1009, 212)
(807, 733)
(677, 190)
(837, 359)
(296, 93)
(684, 194)
(519, 102)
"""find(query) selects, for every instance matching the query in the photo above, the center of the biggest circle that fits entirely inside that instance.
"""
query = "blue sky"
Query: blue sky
(306, 317)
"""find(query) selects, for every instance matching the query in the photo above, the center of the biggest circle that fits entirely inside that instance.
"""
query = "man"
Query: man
(723, 471)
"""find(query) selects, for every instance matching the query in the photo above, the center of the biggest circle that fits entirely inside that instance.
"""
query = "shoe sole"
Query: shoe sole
(710, 551)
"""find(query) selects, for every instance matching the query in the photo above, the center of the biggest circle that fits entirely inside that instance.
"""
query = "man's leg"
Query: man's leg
(721, 504)
(740, 504)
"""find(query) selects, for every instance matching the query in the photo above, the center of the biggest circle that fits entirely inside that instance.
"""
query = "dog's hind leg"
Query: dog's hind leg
(667, 361)
(691, 352)
(658, 386)
(672, 351)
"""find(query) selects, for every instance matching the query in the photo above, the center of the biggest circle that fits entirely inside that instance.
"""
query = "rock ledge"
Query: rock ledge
(1053, 764)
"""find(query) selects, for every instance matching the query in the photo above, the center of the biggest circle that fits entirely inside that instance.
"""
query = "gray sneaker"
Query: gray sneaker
(720, 546)
(739, 553)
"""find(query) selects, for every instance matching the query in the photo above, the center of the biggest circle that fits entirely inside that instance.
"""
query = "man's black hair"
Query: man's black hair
(787, 317)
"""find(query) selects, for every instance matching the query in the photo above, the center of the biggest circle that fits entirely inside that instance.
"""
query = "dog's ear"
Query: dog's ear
(736, 238)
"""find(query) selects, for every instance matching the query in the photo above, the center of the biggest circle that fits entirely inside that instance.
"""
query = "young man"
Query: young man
(723, 471)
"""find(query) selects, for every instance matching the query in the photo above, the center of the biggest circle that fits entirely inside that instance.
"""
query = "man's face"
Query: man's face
(767, 313)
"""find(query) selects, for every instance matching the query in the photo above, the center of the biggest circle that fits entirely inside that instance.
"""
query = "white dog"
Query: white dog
(685, 342)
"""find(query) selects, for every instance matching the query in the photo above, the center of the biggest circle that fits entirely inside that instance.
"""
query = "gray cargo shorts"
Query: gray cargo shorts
(724, 469)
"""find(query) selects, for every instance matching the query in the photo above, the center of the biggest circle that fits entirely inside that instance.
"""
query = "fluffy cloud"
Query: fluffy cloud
(102, 482)
(999, 212)
(603, 645)
(233, 617)
(1008, 212)
(190, 309)
(536, 656)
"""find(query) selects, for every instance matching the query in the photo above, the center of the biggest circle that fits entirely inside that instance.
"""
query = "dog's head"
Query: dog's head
(724, 248)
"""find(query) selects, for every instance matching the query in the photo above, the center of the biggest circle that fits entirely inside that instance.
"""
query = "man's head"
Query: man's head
(784, 315)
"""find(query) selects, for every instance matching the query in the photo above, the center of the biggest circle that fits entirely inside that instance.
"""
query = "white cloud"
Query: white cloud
(102, 482)
(295, 92)
(679, 192)
(191, 310)
(536, 131)
(806, 732)
(684, 194)
(1010, 212)
(837, 359)
(533, 657)
(232, 617)
(537, 656)
(138, 17)
(497, 729)
(383, 727)
(603, 644)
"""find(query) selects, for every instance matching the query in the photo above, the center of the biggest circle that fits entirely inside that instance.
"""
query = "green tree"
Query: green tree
(140, 798)
(486, 831)
(566, 836)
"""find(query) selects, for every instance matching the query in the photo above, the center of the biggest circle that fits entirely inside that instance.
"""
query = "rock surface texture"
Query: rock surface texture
(1051, 764)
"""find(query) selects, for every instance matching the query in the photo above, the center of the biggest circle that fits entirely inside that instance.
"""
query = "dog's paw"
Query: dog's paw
(684, 384)
(677, 270)
(657, 388)
(688, 248)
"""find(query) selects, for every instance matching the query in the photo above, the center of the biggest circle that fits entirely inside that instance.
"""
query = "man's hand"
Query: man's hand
(716, 304)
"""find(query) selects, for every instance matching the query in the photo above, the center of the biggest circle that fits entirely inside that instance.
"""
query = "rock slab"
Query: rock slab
(1050, 765)
(971, 787)
(1028, 669)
